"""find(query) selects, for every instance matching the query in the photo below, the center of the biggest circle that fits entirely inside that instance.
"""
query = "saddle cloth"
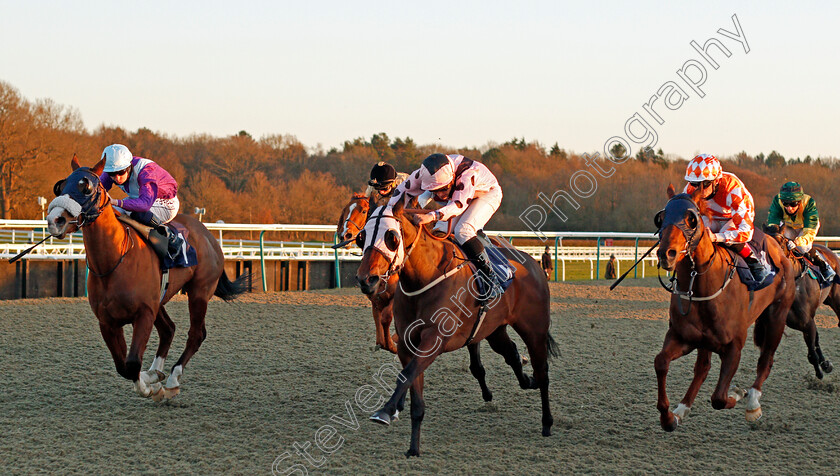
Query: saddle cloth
(814, 272)
(759, 247)
(501, 266)
(186, 255)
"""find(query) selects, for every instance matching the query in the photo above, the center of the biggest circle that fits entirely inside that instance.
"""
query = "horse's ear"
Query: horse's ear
(671, 191)
(74, 163)
(97, 169)
(398, 208)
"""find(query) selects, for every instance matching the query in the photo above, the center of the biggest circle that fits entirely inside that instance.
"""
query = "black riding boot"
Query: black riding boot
(825, 269)
(475, 251)
(165, 242)
(756, 268)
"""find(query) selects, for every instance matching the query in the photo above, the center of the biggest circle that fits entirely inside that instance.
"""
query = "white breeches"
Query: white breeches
(476, 215)
(163, 209)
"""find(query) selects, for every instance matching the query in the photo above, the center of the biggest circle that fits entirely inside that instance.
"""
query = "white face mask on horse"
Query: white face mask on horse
(382, 232)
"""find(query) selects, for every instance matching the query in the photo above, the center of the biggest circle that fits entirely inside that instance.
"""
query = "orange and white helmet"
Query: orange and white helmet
(703, 167)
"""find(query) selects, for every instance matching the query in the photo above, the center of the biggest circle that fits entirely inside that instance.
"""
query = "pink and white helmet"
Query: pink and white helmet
(703, 167)
(436, 172)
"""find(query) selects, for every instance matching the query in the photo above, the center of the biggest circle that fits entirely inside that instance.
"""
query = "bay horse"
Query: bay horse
(350, 224)
(124, 283)
(720, 309)
(436, 310)
(809, 295)
(351, 227)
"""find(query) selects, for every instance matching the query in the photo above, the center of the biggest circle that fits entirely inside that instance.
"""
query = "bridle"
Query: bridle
(394, 268)
(91, 210)
(692, 240)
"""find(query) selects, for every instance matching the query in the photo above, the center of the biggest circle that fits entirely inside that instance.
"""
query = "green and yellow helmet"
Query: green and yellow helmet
(791, 192)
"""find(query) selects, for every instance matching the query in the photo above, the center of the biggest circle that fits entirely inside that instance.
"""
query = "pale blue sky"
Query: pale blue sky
(454, 73)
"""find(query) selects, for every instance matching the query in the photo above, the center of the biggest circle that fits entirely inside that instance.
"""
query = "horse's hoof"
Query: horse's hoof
(681, 413)
(818, 373)
(412, 452)
(826, 366)
(546, 431)
(157, 396)
(152, 376)
(395, 416)
(169, 393)
(381, 417)
(669, 422)
(754, 415)
(736, 393)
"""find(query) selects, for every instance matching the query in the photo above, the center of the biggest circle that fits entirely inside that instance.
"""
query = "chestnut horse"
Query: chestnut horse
(352, 221)
(436, 311)
(720, 309)
(124, 284)
(809, 295)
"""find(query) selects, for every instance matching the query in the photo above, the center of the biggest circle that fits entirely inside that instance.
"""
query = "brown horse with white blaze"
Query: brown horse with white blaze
(720, 309)
(124, 284)
(436, 311)
(350, 224)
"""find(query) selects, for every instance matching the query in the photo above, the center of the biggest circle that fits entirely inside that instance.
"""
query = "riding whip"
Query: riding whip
(26, 251)
(634, 265)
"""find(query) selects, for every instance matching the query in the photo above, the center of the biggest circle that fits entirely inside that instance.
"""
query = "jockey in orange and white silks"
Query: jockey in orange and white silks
(731, 206)
(470, 195)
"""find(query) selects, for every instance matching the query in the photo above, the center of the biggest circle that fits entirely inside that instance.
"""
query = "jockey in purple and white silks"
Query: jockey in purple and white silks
(152, 192)
(470, 194)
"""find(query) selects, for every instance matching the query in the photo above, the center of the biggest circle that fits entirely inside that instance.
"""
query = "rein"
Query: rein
(692, 240)
(440, 278)
(689, 294)
(128, 238)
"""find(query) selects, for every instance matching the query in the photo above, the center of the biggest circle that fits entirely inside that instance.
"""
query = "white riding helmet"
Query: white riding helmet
(117, 157)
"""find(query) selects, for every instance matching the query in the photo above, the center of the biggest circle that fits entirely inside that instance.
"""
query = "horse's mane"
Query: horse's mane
(358, 195)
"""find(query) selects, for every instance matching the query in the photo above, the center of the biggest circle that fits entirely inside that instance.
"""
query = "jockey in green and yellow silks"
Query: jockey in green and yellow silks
(798, 212)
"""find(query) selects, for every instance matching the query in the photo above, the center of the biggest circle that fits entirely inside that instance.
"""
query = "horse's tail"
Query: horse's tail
(229, 290)
(552, 347)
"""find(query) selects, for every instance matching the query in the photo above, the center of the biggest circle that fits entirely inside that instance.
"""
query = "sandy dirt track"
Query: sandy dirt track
(277, 368)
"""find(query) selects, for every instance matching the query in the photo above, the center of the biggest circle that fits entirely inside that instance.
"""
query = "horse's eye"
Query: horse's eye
(692, 219)
(360, 239)
(85, 186)
(58, 187)
(658, 218)
(392, 240)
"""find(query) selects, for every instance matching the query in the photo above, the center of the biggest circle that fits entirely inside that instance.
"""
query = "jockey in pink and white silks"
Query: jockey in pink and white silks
(470, 194)
(152, 192)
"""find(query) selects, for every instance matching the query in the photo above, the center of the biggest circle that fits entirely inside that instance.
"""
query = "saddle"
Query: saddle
(759, 247)
(184, 258)
(814, 272)
(501, 265)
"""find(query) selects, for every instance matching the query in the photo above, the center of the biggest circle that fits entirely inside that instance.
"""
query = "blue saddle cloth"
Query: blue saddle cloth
(186, 255)
(759, 246)
(814, 272)
(501, 266)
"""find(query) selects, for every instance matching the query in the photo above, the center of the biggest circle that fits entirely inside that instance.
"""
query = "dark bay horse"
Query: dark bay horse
(124, 284)
(350, 224)
(436, 311)
(720, 309)
(809, 295)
